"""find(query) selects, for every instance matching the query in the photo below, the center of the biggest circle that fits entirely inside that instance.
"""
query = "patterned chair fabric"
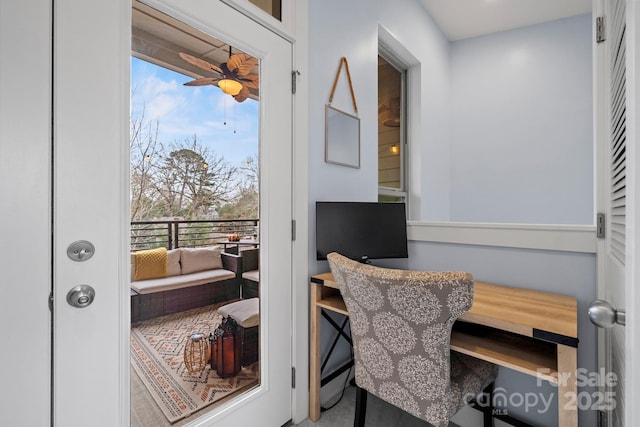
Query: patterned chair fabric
(401, 330)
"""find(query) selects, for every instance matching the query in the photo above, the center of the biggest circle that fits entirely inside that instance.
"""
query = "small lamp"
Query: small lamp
(230, 87)
(196, 352)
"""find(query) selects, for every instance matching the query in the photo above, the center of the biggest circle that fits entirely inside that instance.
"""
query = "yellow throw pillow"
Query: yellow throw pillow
(150, 264)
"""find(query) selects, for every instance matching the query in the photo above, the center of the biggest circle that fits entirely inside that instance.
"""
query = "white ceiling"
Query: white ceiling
(461, 19)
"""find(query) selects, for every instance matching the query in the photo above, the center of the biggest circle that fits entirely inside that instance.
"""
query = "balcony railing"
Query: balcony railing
(189, 233)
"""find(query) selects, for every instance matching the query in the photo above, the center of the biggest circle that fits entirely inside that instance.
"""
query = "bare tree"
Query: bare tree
(181, 179)
(144, 148)
(191, 181)
(251, 169)
(246, 202)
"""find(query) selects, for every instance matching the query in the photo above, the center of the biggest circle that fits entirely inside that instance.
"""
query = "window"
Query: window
(391, 129)
(272, 7)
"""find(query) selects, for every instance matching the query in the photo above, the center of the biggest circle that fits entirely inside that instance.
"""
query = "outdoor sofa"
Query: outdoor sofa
(170, 281)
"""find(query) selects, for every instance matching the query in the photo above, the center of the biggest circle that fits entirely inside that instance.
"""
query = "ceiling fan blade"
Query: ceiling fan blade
(250, 80)
(242, 95)
(201, 63)
(243, 63)
(203, 82)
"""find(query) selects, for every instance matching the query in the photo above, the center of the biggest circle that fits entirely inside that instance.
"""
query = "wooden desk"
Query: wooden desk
(532, 332)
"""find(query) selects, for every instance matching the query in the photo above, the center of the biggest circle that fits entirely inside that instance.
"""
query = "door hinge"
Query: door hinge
(293, 230)
(600, 36)
(293, 377)
(294, 75)
(600, 225)
(51, 301)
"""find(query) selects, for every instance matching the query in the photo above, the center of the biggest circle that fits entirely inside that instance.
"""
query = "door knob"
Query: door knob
(81, 296)
(603, 315)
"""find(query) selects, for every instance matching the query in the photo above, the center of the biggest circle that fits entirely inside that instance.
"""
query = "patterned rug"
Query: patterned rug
(157, 347)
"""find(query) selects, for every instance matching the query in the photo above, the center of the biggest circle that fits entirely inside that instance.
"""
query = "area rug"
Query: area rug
(157, 347)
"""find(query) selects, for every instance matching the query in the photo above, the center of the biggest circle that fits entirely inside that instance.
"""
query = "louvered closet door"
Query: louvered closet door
(616, 188)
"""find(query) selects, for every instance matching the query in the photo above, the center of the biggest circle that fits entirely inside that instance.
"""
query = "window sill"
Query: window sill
(568, 238)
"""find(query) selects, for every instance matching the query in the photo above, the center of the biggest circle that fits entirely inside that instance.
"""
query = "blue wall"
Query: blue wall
(522, 139)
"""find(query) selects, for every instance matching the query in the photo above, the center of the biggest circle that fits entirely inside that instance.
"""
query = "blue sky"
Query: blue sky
(182, 111)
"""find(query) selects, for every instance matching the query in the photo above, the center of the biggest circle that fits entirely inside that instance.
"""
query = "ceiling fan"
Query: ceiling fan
(235, 74)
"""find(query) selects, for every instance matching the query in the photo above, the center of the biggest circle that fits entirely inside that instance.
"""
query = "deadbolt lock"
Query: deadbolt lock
(81, 250)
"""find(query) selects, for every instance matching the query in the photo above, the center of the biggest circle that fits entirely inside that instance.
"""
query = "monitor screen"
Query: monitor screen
(361, 230)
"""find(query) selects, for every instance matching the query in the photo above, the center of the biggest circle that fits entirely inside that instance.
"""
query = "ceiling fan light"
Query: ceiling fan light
(388, 118)
(230, 87)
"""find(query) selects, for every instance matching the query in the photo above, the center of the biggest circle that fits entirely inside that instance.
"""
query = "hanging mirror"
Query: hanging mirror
(342, 138)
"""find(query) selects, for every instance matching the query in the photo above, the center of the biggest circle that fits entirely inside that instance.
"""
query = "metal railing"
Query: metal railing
(188, 233)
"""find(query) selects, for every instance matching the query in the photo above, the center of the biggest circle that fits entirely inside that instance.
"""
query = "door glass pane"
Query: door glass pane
(195, 222)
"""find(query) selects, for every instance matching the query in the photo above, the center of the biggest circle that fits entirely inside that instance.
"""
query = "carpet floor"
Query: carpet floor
(379, 414)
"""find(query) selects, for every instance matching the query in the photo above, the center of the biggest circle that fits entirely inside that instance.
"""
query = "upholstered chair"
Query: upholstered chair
(401, 329)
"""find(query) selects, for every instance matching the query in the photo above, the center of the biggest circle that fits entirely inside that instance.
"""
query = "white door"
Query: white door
(90, 193)
(25, 220)
(617, 186)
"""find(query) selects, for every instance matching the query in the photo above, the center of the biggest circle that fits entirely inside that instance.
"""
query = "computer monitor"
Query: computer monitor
(361, 230)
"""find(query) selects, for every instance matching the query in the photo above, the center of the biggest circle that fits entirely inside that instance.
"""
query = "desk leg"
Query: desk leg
(314, 353)
(567, 389)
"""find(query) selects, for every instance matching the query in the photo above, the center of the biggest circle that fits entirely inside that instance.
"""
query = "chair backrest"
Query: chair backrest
(401, 330)
(250, 259)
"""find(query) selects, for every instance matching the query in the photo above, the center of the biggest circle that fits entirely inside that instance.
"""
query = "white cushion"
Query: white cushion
(253, 275)
(183, 281)
(245, 312)
(200, 259)
(173, 262)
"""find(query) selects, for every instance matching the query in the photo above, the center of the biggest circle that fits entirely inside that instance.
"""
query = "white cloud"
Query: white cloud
(182, 111)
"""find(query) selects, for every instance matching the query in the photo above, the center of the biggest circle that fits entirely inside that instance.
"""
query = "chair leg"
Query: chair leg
(361, 407)
(487, 412)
